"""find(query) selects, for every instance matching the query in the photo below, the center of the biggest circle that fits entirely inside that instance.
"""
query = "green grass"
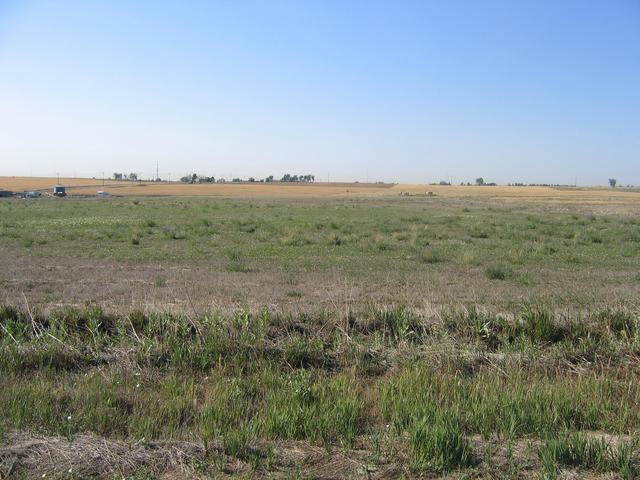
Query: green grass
(247, 378)
(332, 232)
(498, 272)
(595, 454)
(439, 446)
(428, 384)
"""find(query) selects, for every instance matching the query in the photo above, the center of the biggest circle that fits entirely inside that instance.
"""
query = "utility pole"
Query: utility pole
(157, 171)
(103, 179)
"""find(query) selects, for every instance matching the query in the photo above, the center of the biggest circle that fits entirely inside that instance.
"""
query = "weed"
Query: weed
(432, 256)
(498, 272)
(578, 450)
(236, 263)
(439, 446)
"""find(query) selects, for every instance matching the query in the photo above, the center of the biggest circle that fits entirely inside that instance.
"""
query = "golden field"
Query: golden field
(87, 186)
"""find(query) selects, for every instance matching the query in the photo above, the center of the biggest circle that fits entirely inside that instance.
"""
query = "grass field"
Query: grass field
(480, 333)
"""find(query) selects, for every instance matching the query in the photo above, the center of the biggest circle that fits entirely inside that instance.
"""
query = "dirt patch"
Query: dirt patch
(88, 455)
(119, 286)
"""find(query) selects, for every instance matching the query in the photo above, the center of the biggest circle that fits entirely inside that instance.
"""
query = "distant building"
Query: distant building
(59, 191)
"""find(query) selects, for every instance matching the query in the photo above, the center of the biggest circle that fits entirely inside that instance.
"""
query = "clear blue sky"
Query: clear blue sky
(408, 91)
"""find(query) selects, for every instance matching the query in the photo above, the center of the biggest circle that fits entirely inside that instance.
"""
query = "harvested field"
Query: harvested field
(592, 196)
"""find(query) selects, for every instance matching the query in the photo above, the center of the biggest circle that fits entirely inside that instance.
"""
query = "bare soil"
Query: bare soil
(118, 286)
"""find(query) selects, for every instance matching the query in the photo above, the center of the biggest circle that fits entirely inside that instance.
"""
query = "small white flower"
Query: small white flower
(69, 417)
(137, 385)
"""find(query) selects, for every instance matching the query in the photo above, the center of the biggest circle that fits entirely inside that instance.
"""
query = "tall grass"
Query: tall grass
(597, 454)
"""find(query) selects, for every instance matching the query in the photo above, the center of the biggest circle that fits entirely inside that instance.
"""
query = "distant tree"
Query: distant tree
(117, 176)
(269, 179)
(251, 179)
(236, 180)
(287, 177)
(479, 181)
(613, 182)
(133, 177)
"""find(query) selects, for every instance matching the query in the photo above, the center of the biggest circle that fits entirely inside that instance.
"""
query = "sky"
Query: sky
(540, 91)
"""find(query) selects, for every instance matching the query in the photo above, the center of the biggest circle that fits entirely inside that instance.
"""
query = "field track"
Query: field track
(84, 186)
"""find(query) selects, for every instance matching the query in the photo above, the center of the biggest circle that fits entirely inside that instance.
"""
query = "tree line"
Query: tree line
(126, 176)
(286, 178)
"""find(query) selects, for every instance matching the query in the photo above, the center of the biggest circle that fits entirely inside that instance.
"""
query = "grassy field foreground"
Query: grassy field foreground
(384, 393)
(466, 338)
